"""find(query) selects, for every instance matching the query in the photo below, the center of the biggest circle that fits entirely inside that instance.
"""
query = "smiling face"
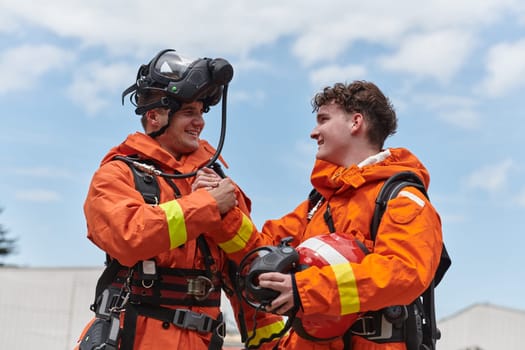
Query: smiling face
(182, 135)
(333, 134)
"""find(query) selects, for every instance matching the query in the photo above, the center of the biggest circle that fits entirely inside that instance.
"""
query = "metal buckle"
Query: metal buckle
(200, 287)
(147, 286)
(188, 319)
(221, 330)
(364, 320)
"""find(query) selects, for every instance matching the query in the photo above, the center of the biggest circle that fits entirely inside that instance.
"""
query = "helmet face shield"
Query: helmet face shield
(170, 66)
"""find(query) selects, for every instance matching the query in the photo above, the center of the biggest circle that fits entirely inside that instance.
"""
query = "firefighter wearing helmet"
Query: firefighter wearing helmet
(147, 211)
(351, 166)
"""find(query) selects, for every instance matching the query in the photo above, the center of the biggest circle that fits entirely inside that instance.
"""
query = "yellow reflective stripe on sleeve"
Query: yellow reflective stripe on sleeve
(265, 332)
(238, 241)
(176, 223)
(343, 272)
(347, 287)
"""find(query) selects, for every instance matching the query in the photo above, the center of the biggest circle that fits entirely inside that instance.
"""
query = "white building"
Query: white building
(483, 327)
(47, 308)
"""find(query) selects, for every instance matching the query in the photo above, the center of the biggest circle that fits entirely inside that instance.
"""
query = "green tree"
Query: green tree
(7, 245)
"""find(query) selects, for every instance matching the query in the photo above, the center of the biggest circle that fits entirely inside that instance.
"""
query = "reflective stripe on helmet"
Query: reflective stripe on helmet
(343, 272)
(242, 236)
(176, 223)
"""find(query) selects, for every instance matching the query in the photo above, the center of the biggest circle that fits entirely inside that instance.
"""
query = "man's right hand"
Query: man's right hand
(224, 194)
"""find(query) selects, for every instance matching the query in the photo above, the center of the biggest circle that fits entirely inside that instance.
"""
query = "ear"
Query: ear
(152, 117)
(356, 121)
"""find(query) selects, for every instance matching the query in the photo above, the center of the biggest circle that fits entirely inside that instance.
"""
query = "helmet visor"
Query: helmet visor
(172, 66)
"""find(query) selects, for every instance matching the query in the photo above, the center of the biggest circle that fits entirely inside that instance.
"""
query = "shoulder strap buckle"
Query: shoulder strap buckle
(364, 326)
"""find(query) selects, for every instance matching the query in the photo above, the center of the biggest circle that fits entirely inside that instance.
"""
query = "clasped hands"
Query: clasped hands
(222, 190)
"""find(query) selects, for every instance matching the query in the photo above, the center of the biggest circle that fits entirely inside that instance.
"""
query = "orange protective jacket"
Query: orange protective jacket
(125, 227)
(403, 258)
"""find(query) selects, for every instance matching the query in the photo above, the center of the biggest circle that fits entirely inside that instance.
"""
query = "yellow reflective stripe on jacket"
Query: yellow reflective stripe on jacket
(242, 236)
(265, 332)
(347, 287)
(176, 223)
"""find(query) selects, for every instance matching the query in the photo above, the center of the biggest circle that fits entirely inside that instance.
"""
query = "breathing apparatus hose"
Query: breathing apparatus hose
(223, 127)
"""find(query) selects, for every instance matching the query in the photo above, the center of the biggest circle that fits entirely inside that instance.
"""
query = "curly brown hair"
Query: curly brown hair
(366, 98)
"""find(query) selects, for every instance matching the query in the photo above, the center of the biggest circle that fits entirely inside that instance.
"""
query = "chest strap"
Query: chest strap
(182, 287)
(182, 318)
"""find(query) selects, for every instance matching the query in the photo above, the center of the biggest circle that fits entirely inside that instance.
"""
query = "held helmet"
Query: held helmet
(281, 258)
(180, 80)
(320, 251)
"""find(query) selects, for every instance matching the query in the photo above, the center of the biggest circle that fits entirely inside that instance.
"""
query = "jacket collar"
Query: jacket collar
(329, 178)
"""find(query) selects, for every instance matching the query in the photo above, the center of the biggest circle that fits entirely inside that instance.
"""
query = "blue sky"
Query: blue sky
(454, 70)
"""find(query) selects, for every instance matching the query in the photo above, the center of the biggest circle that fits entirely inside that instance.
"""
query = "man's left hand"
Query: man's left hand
(282, 283)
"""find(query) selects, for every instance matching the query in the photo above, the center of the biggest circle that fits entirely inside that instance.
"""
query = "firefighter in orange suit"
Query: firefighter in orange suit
(353, 121)
(162, 286)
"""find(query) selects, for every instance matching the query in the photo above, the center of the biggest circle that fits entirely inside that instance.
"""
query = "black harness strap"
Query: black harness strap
(183, 318)
(390, 190)
(176, 190)
(329, 219)
(145, 182)
(105, 279)
(170, 288)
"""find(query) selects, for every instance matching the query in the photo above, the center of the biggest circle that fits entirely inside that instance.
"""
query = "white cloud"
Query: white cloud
(438, 55)
(442, 101)
(22, 67)
(520, 198)
(329, 74)
(37, 195)
(43, 172)
(327, 32)
(464, 118)
(253, 96)
(8, 24)
(459, 111)
(137, 27)
(491, 178)
(505, 65)
(237, 26)
(432, 41)
(91, 85)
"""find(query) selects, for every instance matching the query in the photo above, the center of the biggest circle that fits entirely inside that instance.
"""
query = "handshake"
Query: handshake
(221, 189)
